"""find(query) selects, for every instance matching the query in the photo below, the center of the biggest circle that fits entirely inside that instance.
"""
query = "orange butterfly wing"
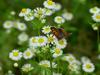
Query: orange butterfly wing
(60, 32)
(57, 32)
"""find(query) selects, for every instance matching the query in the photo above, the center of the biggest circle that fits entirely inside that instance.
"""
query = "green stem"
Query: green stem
(58, 65)
(51, 67)
(98, 39)
(29, 73)
(85, 73)
(22, 73)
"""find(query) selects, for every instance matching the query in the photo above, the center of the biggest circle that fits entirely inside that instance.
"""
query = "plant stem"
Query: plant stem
(98, 39)
(51, 67)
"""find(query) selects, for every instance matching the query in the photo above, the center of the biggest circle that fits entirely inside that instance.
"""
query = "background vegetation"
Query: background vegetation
(82, 42)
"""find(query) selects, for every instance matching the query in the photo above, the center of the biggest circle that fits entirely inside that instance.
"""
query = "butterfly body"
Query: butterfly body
(59, 32)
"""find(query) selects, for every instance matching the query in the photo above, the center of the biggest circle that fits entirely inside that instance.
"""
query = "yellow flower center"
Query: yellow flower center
(88, 66)
(8, 24)
(28, 53)
(45, 65)
(50, 39)
(97, 16)
(57, 51)
(47, 29)
(61, 42)
(40, 12)
(15, 54)
(59, 18)
(24, 10)
(33, 40)
(50, 2)
(94, 9)
(71, 59)
(40, 40)
(22, 26)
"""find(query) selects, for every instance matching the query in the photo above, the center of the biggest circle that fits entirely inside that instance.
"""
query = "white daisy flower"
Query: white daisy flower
(33, 42)
(46, 63)
(85, 59)
(21, 26)
(96, 17)
(15, 55)
(56, 73)
(8, 24)
(67, 16)
(57, 7)
(59, 19)
(49, 12)
(43, 20)
(69, 58)
(28, 54)
(24, 12)
(94, 10)
(29, 16)
(61, 43)
(27, 67)
(74, 67)
(57, 52)
(51, 38)
(39, 13)
(22, 37)
(88, 67)
(46, 29)
(49, 4)
(42, 40)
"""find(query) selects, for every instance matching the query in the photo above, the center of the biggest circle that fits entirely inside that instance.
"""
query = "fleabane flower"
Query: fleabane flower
(42, 40)
(88, 67)
(8, 24)
(61, 43)
(49, 4)
(29, 16)
(49, 12)
(57, 7)
(21, 26)
(57, 52)
(46, 63)
(24, 12)
(15, 55)
(69, 58)
(28, 54)
(85, 59)
(46, 29)
(59, 19)
(51, 38)
(96, 17)
(27, 67)
(33, 42)
(39, 13)
(74, 68)
(67, 16)
(22, 37)
(94, 10)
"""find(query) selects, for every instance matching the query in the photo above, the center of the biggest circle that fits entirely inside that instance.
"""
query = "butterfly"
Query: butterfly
(59, 33)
